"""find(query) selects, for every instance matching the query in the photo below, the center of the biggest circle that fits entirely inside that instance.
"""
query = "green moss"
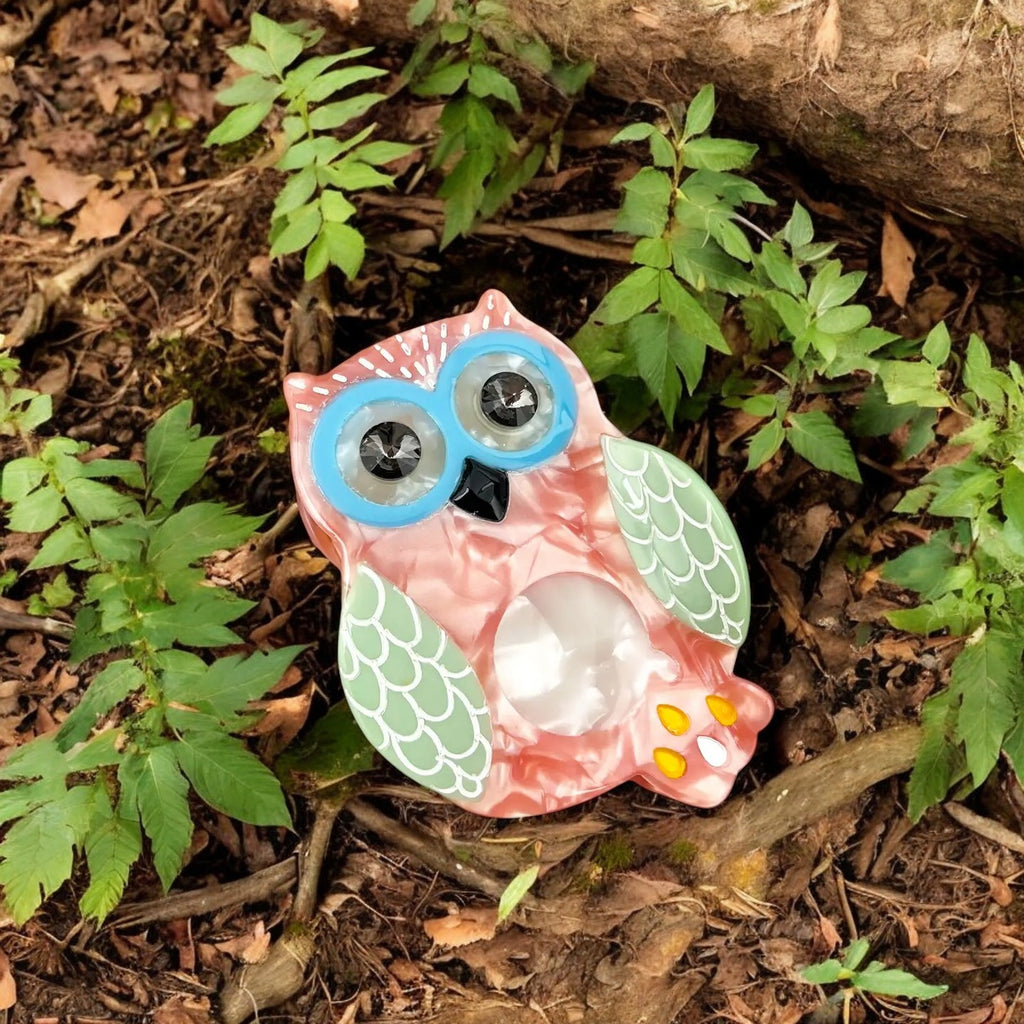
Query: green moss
(614, 854)
(682, 853)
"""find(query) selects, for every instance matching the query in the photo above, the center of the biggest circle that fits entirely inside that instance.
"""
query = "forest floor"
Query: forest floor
(170, 294)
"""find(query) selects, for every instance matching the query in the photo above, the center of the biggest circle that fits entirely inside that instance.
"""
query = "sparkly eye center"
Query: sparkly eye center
(508, 399)
(390, 450)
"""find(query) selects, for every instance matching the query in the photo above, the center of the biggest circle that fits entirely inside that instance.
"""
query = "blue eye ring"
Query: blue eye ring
(439, 406)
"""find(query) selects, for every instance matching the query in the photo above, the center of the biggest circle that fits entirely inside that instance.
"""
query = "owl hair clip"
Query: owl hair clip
(536, 608)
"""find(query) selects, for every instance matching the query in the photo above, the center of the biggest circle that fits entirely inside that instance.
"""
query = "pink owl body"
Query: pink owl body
(589, 679)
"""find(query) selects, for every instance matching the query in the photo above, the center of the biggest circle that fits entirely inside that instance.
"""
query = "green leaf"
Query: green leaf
(635, 293)
(241, 122)
(341, 78)
(653, 252)
(782, 271)
(635, 133)
(980, 377)
(281, 42)
(19, 477)
(301, 228)
(335, 207)
(516, 890)
(100, 751)
(569, 79)
(96, 502)
(352, 174)
(843, 319)
(700, 112)
(765, 443)
(230, 683)
(463, 191)
(159, 791)
(420, 11)
(443, 81)
(659, 346)
(691, 316)
(831, 287)
(825, 973)
(38, 512)
(799, 231)
(176, 455)
(296, 192)
(37, 759)
(333, 750)
(876, 416)
(107, 689)
(339, 244)
(197, 531)
(938, 759)
(513, 175)
(702, 263)
(986, 673)
(814, 436)
(893, 982)
(937, 345)
(252, 58)
(916, 383)
(382, 152)
(923, 566)
(36, 856)
(717, 154)
(487, 81)
(68, 543)
(334, 115)
(320, 151)
(249, 89)
(113, 845)
(197, 621)
(232, 780)
(645, 204)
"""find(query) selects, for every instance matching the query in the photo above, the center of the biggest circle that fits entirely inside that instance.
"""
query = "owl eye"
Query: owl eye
(390, 453)
(505, 401)
(390, 450)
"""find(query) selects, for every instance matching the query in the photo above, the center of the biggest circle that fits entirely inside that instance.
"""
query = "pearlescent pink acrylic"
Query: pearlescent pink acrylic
(480, 580)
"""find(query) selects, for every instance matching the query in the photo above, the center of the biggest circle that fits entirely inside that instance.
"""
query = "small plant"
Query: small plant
(484, 163)
(313, 210)
(970, 578)
(156, 719)
(516, 890)
(873, 977)
(660, 320)
(21, 409)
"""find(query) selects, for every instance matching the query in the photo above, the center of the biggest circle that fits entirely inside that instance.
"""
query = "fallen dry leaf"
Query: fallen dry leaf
(465, 925)
(8, 987)
(183, 1010)
(898, 257)
(828, 40)
(57, 184)
(103, 216)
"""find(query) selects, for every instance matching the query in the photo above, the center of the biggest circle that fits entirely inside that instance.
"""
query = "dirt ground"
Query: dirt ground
(167, 291)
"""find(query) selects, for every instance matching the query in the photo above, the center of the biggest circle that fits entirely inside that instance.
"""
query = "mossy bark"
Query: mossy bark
(919, 102)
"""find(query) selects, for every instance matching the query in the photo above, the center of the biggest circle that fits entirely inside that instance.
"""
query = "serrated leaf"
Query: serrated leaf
(296, 192)
(19, 477)
(335, 749)
(199, 620)
(765, 443)
(487, 81)
(645, 203)
(352, 174)
(231, 779)
(37, 854)
(68, 543)
(717, 154)
(249, 89)
(516, 890)
(334, 115)
(300, 229)
(986, 674)
(346, 248)
(653, 252)
(112, 846)
(938, 759)
(196, 531)
(39, 758)
(241, 122)
(659, 346)
(691, 316)
(107, 689)
(97, 502)
(282, 44)
(814, 436)
(155, 785)
(176, 455)
(39, 511)
(700, 112)
(463, 191)
(252, 58)
(922, 567)
(443, 81)
(701, 263)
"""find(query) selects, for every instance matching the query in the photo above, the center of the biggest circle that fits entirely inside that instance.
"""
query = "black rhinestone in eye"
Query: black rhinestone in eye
(508, 399)
(390, 450)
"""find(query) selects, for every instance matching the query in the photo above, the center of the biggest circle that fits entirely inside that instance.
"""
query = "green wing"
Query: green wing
(411, 689)
(681, 539)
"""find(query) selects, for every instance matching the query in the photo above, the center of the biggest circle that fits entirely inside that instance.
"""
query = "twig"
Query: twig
(260, 885)
(36, 624)
(311, 859)
(428, 850)
(985, 827)
(52, 291)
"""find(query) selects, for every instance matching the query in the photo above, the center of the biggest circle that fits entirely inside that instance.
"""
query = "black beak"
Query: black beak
(482, 491)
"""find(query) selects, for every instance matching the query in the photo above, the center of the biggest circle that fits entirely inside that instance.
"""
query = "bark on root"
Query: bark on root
(924, 103)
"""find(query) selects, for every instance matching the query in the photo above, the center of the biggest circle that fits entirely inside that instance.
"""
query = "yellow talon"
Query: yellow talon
(723, 710)
(674, 720)
(669, 762)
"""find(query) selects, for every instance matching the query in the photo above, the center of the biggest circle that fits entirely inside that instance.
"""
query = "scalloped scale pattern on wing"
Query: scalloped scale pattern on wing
(412, 690)
(681, 539)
